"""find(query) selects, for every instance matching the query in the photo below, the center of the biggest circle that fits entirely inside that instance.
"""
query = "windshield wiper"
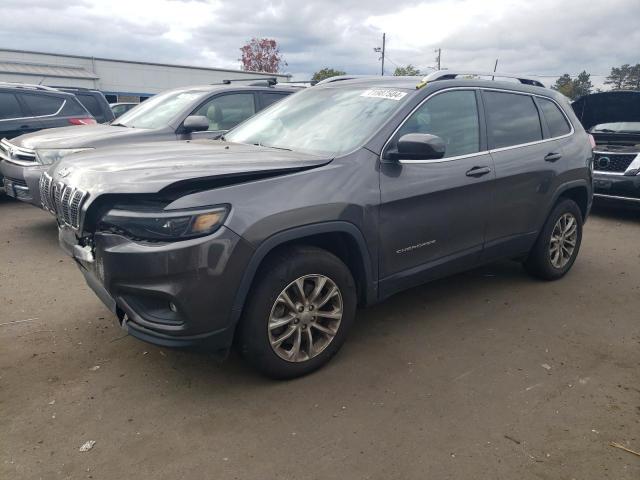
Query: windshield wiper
(270, 146)
(119, 125)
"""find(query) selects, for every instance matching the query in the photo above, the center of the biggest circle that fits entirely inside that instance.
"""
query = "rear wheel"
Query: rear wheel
(298, 312)
(557, 247)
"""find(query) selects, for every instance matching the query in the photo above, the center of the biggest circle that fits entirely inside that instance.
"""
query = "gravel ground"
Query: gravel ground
(487, 375)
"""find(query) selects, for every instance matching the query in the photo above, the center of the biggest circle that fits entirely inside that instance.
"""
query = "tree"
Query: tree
(632, 82)
(262, 55)
(408, 71)
(582, 85)
(574, 87)
(565, 85)
(618, 76)
(326, 72)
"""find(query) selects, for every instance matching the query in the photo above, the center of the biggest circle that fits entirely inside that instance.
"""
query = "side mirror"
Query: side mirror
(419, 146)
(195, 123)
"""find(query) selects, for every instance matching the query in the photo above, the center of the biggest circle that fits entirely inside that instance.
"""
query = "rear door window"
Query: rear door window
(9, 107)
(42, 105)
(226, 111)
(452, 116)
(512, 119)
(555, 119)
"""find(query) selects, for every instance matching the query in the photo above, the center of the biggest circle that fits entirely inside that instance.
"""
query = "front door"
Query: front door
(225, 112)
(433, 213)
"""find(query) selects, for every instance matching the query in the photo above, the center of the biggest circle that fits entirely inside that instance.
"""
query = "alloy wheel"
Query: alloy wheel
(305, 318)
(563, 240)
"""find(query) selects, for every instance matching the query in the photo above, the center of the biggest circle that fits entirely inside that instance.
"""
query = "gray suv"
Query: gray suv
(339, 196)
(184, 113)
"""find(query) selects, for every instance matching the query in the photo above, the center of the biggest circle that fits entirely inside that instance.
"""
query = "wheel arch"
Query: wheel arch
(343, 239)
(577, 191)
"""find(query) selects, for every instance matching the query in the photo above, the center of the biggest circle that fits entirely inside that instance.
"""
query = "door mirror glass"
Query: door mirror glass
(195, 123)
(419, 146)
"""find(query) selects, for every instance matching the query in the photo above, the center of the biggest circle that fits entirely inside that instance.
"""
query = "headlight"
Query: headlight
(51, 156)
(165, 225)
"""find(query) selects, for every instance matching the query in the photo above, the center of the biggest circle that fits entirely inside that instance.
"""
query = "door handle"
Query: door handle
(24, 127)
(478, 171)
(552, 157)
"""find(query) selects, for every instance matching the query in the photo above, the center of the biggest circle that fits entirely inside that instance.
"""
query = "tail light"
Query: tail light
(82, 121)
(592, 141)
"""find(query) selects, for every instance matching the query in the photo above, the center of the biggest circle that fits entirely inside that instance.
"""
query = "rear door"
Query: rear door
(45, 108)
(15, 118)
(527, 162)
(433, 213)
(225, 111)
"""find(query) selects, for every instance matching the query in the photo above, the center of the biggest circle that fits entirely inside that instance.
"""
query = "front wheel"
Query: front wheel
(298, 312)
(557, 247)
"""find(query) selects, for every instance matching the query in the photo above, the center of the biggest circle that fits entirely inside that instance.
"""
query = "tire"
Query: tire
(551, 264)
(268, 316)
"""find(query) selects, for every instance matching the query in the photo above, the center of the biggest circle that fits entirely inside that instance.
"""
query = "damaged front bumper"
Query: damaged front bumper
(175, 294)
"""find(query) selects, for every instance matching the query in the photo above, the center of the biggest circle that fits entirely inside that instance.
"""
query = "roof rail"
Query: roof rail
(64, 87)
(27, 86)
(452, 74)
(269, 80)
(339, 78)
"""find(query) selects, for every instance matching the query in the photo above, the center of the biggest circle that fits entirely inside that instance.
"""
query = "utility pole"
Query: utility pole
(381, 51)
(384, 41)
(495, 69)
(439, 52)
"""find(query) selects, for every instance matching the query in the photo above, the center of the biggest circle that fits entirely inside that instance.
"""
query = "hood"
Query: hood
(76, 136)
(153, 167)
(608, 107)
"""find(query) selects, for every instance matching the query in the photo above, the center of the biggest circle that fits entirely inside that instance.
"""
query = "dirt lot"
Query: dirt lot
(488, 375)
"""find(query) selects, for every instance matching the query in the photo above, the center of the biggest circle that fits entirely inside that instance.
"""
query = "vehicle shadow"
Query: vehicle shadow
(616, 211)
(409, 315)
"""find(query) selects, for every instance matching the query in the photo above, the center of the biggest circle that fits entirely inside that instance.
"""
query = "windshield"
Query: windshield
(322, 121)
(159, 110)
(617, 127)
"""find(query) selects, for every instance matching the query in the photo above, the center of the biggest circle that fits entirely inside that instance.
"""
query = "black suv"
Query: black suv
(26, 108)
(193, 112)
(340, 195)
(94, 101)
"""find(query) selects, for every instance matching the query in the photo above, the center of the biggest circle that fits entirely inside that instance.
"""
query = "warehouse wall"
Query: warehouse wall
(116, 76)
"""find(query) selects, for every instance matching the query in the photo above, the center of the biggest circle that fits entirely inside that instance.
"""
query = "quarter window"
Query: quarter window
(42, 104)
(452, 116)
(269, 98)
(226, 111)
(9, 107)
(556, 121)
(512, 119)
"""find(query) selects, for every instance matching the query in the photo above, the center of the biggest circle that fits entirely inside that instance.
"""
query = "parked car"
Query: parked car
(183, 113)
(26, 108)
(338, 196)
(613, 118)
(94, 101)
(121, 108)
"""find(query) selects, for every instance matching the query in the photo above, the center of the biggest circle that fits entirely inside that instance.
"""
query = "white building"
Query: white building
(119, 80)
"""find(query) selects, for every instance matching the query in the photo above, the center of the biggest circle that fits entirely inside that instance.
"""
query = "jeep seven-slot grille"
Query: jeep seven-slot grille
(17, 155)
(612, 162)
(62, 200)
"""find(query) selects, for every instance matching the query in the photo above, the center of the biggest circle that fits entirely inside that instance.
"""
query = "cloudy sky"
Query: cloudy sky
(544, 37)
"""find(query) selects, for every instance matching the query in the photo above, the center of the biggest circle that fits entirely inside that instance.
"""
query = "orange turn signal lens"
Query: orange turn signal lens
(206, 221)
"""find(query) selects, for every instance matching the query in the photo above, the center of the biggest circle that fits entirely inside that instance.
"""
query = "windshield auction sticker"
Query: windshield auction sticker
(384, 93)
